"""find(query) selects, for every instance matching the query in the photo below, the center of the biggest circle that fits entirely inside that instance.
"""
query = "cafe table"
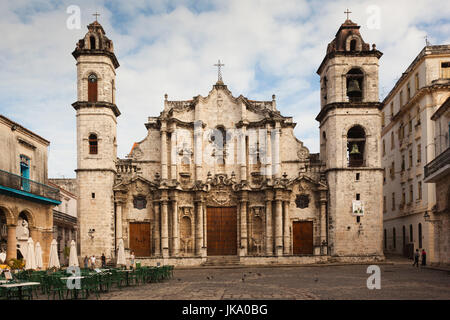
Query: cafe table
(127, 272)
(75, 289)
(19, 286)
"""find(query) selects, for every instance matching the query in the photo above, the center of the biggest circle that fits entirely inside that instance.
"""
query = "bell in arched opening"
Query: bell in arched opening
(355, 149)
(353, 89)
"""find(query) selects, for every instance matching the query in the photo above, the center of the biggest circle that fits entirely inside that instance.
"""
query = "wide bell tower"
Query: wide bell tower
(350, 133)
(96, 141)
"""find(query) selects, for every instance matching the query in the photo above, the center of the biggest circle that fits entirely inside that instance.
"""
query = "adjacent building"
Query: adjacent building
(26, 198)
(438, 171)
(407, 145)
(65, 222)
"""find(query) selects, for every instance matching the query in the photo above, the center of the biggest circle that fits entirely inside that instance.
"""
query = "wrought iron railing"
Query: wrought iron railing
(14, 181)
(438, 162)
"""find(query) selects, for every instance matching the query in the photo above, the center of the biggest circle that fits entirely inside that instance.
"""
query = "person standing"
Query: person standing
(103, 260)
(93, 262)
(132, 260)
(86, 262)
(416, 258)
(424, 257)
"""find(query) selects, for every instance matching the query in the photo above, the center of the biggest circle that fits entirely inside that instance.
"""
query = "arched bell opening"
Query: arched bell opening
(355, 79)
(356, 141)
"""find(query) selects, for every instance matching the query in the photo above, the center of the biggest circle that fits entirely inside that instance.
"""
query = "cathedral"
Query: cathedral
(222, 179)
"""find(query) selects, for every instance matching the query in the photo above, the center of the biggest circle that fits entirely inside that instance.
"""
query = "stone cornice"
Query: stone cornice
(87, 52)
(100, 104)
(333, 54)
(351, 105)
(90, 170)
(15, 126)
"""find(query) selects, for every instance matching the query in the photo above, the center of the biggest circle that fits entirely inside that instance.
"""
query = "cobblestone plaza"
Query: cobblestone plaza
(398, 281)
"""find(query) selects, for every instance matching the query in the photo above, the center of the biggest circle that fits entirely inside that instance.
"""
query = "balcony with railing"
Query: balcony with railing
(19, 186)
(439, 167)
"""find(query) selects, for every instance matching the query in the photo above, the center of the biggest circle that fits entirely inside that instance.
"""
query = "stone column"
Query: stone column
(243, 221)
(164, 227)
(173, 153)
(35, 235)
(118, 220)
(11, 249)
(163, 151)
(175, 235)
(269, 229)
(157, 232)
(276, 151)
(62, 245)
(242, 156)
(198, 148)
(278, 226)
(286, 226)
(268, 171)
(323, 225)
(199, 226)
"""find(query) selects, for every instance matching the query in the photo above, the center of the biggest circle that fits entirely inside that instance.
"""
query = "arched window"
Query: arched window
(353, 45)
(92, 88)
(355, 85)
(411, 239)
(420, 235)
(92, 42)
(356, 140)
(93, 144)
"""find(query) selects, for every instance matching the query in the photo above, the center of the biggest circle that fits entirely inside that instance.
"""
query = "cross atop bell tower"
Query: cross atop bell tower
(347, 13)
(96, 15)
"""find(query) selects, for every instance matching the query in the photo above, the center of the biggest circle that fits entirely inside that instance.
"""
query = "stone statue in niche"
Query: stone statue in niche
(23, 233)
(302, 201)
(139, 202)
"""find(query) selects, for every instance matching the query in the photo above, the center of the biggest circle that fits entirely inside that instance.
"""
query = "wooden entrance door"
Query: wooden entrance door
(140, 239)
(302, 232)
(221, 231)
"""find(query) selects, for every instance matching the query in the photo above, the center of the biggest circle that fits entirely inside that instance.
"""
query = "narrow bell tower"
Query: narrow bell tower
(96, 140)
(350, 133)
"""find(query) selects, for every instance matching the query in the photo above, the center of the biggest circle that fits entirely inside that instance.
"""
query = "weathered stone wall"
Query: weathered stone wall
(96, 213)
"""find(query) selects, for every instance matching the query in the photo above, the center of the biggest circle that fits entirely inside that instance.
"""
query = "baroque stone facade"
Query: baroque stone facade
(225, 176)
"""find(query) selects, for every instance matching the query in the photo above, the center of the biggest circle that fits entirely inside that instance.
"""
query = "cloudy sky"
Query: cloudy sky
(268, 47)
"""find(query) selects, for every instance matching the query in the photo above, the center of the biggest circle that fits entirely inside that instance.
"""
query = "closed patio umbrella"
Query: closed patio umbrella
(53, 261)
(38, 252)
(121, 254)
(31, 257)
(73, 258)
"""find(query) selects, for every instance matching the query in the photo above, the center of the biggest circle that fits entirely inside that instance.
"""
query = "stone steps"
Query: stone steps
(222, 261)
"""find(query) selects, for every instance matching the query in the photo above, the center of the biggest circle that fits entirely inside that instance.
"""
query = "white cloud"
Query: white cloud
(170, 47)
